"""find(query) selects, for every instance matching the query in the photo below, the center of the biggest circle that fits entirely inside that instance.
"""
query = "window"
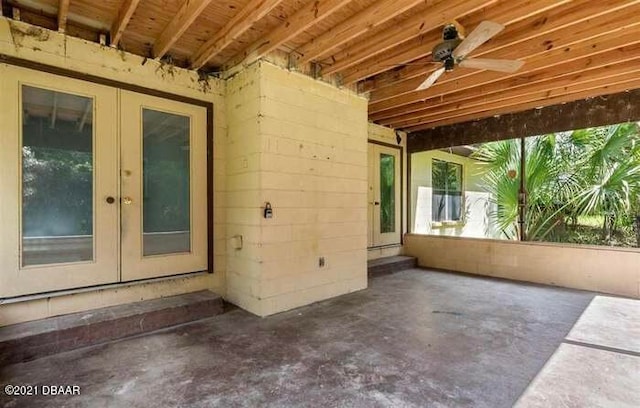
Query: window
(447, 191)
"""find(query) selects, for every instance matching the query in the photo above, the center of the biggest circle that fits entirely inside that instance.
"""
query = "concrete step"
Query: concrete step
(390, 264)
(31, 340)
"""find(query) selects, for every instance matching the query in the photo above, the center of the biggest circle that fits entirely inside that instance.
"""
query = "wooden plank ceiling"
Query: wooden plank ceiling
(572, 49)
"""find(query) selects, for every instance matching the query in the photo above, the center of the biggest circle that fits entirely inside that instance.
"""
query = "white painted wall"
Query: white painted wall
(477, 206)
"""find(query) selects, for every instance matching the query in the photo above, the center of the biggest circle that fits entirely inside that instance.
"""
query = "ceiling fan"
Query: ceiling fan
(453, 51)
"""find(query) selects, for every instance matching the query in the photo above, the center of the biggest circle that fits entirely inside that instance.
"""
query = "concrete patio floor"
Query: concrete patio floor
(413, 339)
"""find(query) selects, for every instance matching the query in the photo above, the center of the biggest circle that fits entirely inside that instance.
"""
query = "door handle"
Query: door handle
(376, 203)
(110, 200)
(127, 200)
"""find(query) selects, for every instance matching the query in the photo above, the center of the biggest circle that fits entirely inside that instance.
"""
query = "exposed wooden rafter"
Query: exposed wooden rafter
(527, 38)
(573, 63)
(374, 15)
(431, 18)
(254, 11)
(120, 24)
(312, 13)
(570, 48)
(567, 95)
(606, 74)
(543, 52)
(189, 11)
(598, 111)
(541, 98)
(506, 13)
(63, 14)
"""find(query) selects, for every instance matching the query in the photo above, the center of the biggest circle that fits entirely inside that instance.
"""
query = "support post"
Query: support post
(522, 193)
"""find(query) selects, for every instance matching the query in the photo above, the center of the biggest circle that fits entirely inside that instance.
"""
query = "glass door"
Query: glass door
(58, 166)
(384, 195)
(164, 187)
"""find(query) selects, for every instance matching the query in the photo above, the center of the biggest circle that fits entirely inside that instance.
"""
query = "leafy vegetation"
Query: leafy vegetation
(387, 193)
(57, 192)
(582, 186)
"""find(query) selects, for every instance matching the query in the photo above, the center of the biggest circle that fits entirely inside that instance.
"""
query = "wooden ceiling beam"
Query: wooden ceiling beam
(120, 24)
(559, 63)
(569, 96)
(537, 52)
(618, 107)
(378, 13)
(506, 13)
(517, 42)
(251, 13)
(63, 14)
(433, 17)
(312, 13)
(187, 14)
(607, 74)
(556, 17)
(539, 99)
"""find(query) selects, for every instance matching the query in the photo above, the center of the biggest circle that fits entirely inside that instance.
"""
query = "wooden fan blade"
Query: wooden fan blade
(499, 65)
(408, 64)
(477, 37)
(431, 79)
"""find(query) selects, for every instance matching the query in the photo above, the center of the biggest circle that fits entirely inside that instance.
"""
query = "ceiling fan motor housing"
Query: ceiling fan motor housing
(451, 39)
(443, 51)
(450, 32)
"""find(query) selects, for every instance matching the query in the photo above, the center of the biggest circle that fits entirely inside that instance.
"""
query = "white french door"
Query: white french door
(384, 195)
(164, 187)
(97, 185)
(58, 160)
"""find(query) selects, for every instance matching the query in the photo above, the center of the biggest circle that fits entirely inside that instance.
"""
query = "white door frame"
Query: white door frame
(375, 237)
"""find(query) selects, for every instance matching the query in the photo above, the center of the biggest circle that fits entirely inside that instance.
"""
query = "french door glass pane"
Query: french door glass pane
(166, 183)
(57, 177)
(387, 193)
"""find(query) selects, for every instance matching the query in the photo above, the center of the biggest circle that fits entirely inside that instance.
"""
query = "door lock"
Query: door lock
(127, 200)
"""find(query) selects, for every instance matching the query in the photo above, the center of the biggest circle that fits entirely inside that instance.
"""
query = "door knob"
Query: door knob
(110, 200)
(376, 203)
(127, 200)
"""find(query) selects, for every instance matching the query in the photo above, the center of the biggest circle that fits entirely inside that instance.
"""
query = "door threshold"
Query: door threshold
(399, 244)
(95, 288)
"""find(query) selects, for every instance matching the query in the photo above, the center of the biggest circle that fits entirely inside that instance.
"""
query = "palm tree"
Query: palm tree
(611, 168)
(547, 179)
(593, 171)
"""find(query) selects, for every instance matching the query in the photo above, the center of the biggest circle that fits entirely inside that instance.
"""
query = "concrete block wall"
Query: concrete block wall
(584, 267)
(312, 168)
(243, 186)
